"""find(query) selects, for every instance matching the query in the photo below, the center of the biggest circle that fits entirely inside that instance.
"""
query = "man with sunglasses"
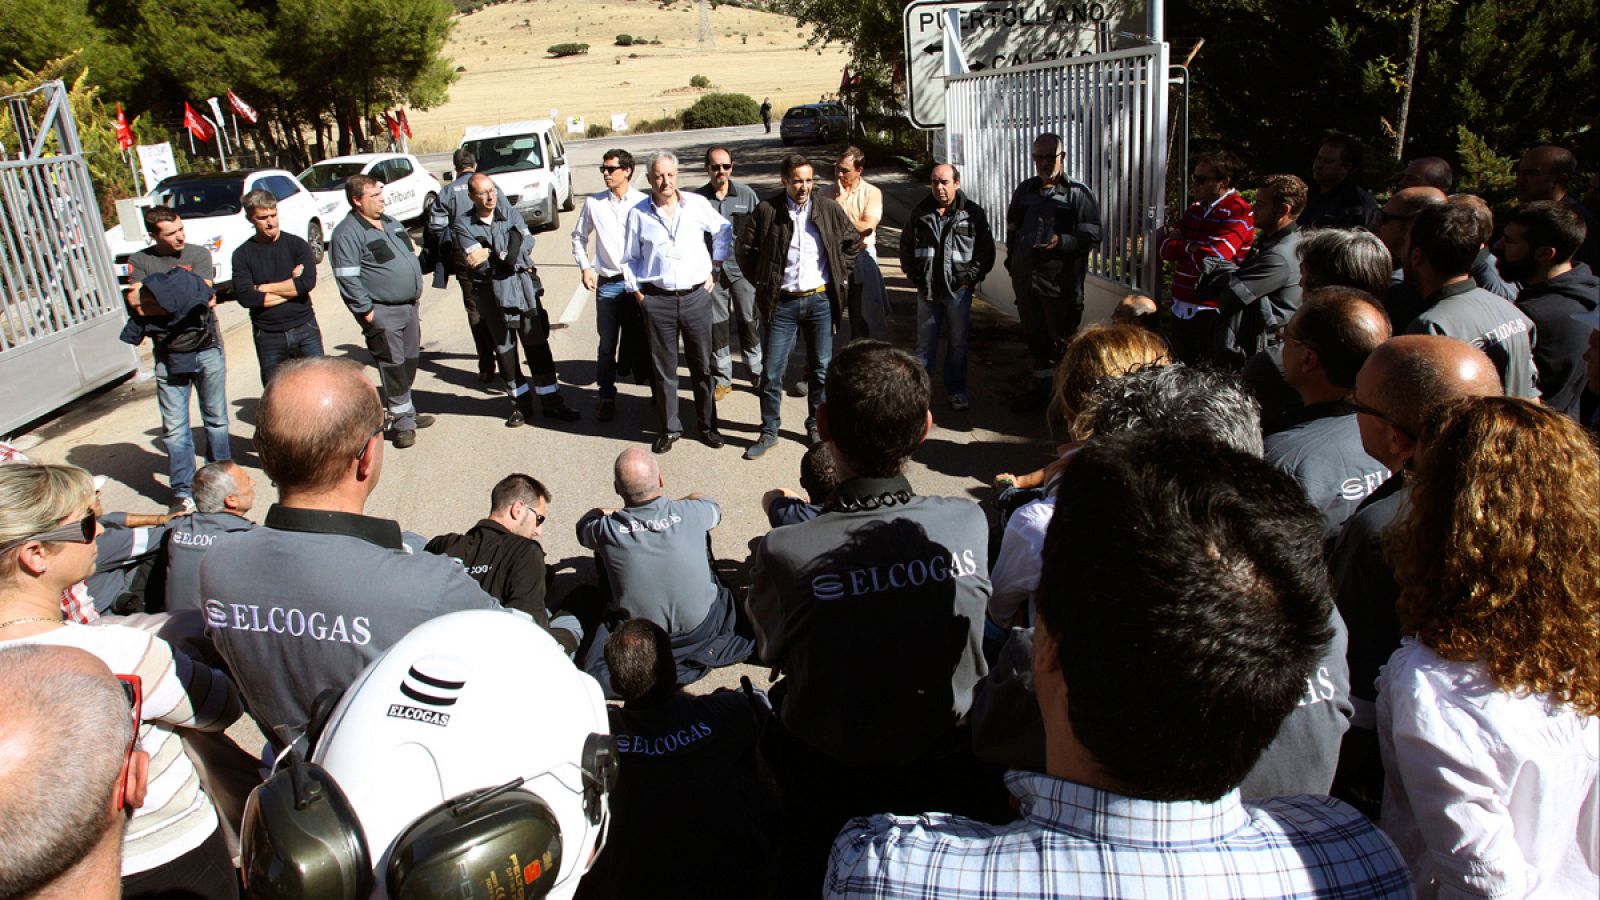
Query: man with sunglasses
(604, 217)
(63, 835)
(1217, 225)
(503, 554)
(1400, 387)
(733, 297)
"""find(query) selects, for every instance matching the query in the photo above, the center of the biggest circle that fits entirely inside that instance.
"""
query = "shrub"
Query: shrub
(699, 81)
(560, 50)
(673, 122)
(597, 130)
(721, 110)
(624, 40)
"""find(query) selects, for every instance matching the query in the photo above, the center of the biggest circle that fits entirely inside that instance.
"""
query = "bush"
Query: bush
(624, 40)
(560, 50)
(699, 81)
(721, 110)
(673, 122)
(597, 130)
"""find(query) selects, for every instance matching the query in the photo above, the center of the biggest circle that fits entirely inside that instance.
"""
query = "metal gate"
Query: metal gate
(1111, 111)
(61, 311)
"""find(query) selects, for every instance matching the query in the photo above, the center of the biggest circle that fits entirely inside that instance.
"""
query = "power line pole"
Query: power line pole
(708, 38)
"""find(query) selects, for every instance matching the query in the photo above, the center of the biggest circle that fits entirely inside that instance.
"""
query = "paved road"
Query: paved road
(442, 484)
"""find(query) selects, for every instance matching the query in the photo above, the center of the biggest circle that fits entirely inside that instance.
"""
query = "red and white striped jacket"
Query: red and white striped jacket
(1225, 230)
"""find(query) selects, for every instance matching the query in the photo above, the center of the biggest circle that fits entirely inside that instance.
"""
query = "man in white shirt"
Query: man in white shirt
(604, 216)
(863, 203)
(670, 268)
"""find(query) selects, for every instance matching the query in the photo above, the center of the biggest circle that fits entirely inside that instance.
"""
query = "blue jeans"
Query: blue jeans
(172, 395)
(611, 302)
(273, 348)
(792, 316)
(931, 313)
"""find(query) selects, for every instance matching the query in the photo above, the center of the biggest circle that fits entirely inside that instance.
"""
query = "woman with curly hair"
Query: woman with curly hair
(1487, 714)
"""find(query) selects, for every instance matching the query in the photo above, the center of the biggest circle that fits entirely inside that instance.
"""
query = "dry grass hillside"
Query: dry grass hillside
(507, 75)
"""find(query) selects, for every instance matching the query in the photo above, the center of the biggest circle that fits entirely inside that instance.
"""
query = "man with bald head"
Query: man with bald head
(304, 603)
(1400, 388)
(62, 836)
(498, 249)
(654, 553)
(1427, 171)
(1325, 345)
(1548, 172)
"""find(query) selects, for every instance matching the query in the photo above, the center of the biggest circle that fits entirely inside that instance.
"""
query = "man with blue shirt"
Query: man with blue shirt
(1146, 741)
(670, 268)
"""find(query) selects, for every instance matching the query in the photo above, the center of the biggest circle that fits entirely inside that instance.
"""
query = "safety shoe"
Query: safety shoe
(560, 411)
(760, 447)
(608, 410)
(713, 439)
(958, 402)
(424, 420)
(663, 443)
(404, 439)
(515, 420)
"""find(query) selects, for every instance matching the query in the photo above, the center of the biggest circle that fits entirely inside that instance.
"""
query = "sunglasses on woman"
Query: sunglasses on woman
(81, 531)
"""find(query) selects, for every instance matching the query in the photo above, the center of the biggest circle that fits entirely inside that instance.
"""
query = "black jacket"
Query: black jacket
(762, 248)
(509, 567)
(960, 250)
(1558, 354)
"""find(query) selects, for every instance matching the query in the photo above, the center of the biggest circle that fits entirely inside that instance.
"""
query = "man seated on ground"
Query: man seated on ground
(1325, 345)
(655, 555)
(689, 784)
(224, 494)
(874, 612)
(818, 478)
(1443, 243)
(1207, 405)
(1399, 389)
(1163, 669)
(301, 605)
(70, 773)
(127, 558)
(502, 553)
(1538, 250)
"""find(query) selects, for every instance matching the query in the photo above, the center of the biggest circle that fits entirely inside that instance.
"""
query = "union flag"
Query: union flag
(124, 130)
(197, 124)
(242, 108)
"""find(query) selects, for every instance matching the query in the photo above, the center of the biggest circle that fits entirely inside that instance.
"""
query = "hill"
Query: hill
(506, 75)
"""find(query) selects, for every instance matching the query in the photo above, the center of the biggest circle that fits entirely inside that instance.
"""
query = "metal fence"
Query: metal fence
(60, 312)
(1111, 111)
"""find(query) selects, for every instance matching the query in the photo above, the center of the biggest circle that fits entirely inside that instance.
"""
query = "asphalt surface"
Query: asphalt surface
(442, 484)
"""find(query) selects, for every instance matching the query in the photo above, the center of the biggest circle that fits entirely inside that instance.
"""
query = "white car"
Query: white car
(408, 188)
(529, 163)
(212, 207)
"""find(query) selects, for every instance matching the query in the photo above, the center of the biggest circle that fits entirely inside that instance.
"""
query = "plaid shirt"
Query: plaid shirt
(1225, 229)
(1076, 841)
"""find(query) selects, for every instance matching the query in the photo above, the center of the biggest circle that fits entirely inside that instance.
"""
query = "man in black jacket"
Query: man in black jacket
(1539, 250)
(798, 296)
(1262, 292)
(502, 554)
(947, 250)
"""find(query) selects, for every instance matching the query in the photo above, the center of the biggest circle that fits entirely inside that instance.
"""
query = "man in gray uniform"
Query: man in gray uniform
(450, 204)
(1444, 242)
(655, 554)
(225, 493)
(498, 251)
(380, 281)
(874, 612)
(303, 604)
(733, 297)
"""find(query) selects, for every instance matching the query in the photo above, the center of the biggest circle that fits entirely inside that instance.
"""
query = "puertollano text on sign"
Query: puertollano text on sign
(1023, 15)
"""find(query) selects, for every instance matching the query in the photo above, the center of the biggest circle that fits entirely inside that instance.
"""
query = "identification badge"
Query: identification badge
(670, 252)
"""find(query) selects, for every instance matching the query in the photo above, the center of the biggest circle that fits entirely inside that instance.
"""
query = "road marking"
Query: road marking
(580, 298)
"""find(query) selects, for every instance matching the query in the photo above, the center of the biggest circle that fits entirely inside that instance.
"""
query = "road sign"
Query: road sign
(996, 34)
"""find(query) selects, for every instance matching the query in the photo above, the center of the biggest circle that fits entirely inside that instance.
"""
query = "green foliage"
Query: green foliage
(597, 130)
(561, 50)
(722, 110)
(673, 122)
(1482, 172)
(624, 40)
(699, 81)
(96, 120)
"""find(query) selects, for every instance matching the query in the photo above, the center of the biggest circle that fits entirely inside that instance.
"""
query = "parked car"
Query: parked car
(408, 188)
(820, 122)
(529, 163)
(212, 207)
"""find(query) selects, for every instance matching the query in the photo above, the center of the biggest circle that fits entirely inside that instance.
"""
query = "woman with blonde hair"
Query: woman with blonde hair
(1487, 714)
(1096, 353)
(173, 843)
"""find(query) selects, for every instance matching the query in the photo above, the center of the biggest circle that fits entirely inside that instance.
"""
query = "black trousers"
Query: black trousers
(507, 328)
(667, 318)
(204, 873)
(1050, 314)
(482, 341)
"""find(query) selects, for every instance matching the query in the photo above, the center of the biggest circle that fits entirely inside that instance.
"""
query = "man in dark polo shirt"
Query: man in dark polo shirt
(273, 274)
(305, 603)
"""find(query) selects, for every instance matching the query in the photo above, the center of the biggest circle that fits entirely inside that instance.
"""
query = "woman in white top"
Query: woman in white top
(1487, 714)
(173, 843)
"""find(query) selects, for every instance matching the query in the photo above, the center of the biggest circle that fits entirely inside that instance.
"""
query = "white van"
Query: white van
(529, 163)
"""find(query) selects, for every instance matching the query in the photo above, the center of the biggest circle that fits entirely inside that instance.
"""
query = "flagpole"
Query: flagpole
(235, 117)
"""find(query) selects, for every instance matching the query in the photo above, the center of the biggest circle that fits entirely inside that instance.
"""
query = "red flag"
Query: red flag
(394, 127)
(196, 123)
(404, 125)
(242, 108)
(124, 131)
(844, 80)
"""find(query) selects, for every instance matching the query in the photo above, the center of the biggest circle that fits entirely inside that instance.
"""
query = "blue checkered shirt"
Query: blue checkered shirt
(1076, 841)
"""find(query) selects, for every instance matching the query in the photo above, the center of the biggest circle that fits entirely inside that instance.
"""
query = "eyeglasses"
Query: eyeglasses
(81, 531)
(1046, 157)
(385, 425)
(720, 167)
(607, 170)
(538, 518)
(1354, 406)
(133, 688)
